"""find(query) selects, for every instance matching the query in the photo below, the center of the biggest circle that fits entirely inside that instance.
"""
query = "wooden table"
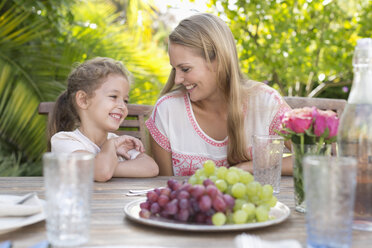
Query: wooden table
(110, 227)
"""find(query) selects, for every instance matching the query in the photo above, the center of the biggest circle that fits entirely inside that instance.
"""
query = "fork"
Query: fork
(25, 198)
(138, 192)
(142, 190)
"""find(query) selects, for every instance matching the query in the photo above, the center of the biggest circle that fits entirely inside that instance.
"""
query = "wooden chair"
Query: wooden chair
(134, 123)
(336, 105)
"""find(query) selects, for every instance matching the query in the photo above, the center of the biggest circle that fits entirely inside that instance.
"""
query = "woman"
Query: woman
(207, 109)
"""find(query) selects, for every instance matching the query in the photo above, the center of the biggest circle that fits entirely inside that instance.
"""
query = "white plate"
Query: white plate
(280, 212)
(8, 224)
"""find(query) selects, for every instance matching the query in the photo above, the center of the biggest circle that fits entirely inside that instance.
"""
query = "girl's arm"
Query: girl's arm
(141, 166)
(162, 157)
(106, 162)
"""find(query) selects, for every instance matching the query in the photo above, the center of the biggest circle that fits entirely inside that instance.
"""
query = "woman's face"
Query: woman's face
(194, 73)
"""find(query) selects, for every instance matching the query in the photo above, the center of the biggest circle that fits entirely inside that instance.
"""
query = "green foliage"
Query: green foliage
(300, 47)
(40, 41)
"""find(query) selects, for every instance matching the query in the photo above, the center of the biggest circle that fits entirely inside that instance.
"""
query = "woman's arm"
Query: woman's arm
(287, 168)
(162, 157)
(141, 166)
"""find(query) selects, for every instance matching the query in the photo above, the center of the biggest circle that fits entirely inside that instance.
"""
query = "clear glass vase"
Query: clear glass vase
(299, 152)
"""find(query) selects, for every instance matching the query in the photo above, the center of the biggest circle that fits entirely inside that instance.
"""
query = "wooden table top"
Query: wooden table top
(110, 227)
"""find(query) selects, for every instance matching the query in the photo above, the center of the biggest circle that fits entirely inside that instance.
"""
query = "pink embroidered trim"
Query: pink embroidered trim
(160, 138)
(186, 165)
(276, 122)
(197, 129)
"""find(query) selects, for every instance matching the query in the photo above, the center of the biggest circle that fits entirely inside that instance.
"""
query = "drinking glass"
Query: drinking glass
(68, 180)
(267, 160)
(330, 191)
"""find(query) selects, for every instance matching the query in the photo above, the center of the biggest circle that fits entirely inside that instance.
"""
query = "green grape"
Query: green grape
(238, 190)
(201, 179)
(245, 177)
(240, 217)
(272, 202)
(262, 213)
(253, 189)
(193, 180)
(199, 172)
(239, 203)
(235, 169)
(232, 177)
(267, 192)
(221, 185)
(219, 219)
(250, 209)
(214, 178)
(229, 218)
(222, 172)
(228, 190)
(255, 199)
(209, 167)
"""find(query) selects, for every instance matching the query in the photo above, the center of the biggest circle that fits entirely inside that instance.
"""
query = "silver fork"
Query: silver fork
(142, 190)
(138, 192)
(25, 198)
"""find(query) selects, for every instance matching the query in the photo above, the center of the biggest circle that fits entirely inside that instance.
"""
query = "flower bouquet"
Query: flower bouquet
(311, 131)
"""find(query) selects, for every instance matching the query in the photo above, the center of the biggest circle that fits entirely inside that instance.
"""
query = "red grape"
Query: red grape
(205, 203)
(144, 213)
(152, 196)
(163, 200)
(197, 191)
(155, 208)
(219, 204)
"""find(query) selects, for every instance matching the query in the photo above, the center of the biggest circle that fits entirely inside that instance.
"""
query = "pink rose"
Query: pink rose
(326, 119)
(298, 120)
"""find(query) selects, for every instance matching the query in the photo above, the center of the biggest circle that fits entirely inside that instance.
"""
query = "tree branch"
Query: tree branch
(321, 87)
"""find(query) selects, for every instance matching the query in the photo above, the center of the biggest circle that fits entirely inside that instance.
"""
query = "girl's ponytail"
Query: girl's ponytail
(64, 116)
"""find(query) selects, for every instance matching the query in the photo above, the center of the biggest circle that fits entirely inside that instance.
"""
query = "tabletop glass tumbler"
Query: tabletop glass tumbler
(330, 184)
(267, 154)
(68, 181)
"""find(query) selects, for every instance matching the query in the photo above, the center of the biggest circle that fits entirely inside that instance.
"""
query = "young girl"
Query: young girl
(86, 114)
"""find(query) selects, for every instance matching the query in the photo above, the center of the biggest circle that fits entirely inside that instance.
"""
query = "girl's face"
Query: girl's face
(108, 106)
(194, 73)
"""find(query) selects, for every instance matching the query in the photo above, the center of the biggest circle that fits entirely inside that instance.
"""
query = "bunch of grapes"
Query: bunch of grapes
(252, 200)
(212, 196)
(187, 203)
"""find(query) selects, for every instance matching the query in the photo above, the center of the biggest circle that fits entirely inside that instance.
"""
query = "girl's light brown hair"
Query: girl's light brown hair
(212, 39)
(87, 77)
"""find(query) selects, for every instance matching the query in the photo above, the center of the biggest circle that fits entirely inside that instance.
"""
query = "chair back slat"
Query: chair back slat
(336, 105)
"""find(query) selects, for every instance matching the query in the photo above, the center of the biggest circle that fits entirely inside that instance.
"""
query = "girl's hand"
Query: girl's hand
(125, 143)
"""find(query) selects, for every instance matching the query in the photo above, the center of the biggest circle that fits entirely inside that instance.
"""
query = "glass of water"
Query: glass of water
(68, 181)
(267, 160)
(330, 192)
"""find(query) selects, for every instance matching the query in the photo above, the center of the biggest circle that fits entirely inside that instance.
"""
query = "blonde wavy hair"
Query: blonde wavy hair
(212, 39)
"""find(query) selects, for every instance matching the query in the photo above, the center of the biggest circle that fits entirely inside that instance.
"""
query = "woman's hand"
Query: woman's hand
(125, 143)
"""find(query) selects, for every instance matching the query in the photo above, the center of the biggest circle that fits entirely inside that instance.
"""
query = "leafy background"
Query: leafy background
(299, 47)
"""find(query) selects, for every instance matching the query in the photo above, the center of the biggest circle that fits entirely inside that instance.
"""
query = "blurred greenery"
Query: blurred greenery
(40, 41)
(300, 47)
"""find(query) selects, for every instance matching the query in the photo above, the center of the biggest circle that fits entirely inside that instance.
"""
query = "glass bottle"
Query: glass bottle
(355, 132)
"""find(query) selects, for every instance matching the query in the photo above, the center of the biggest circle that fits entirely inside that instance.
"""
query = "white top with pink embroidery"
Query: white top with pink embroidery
(174, 127)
